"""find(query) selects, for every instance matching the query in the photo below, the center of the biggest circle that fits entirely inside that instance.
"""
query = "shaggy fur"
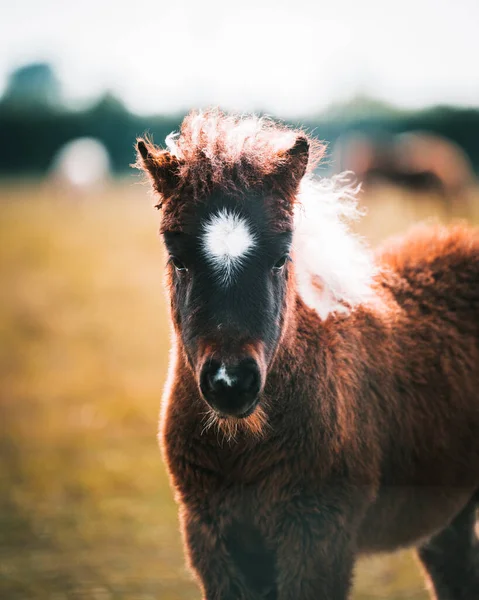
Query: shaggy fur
(231, 152)
(368, 435)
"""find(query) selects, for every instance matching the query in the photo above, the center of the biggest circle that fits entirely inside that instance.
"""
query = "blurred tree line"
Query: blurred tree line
(35, 123)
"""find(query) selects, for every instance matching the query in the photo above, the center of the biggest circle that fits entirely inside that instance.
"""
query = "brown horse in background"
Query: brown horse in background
(322, 400)
(419, 161)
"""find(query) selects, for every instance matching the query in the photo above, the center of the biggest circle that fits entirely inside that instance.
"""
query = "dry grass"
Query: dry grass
(86, 510)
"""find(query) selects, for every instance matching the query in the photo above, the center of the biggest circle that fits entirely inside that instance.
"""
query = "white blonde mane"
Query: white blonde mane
(334, 267)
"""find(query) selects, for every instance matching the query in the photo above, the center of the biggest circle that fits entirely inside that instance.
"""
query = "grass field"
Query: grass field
(85, 507)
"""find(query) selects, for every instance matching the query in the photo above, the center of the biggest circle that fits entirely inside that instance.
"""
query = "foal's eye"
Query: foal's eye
(278, 266)
(179, 266)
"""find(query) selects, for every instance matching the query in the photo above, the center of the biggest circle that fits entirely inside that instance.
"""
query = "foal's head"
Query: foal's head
(227, 186)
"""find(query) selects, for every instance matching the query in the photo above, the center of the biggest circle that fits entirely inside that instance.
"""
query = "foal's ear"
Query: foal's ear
(161, 166)
(298, 157)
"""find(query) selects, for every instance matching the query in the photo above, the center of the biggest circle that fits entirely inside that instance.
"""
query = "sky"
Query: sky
(286, 58)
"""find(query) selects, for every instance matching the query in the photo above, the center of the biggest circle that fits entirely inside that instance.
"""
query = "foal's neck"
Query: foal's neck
(309, 339)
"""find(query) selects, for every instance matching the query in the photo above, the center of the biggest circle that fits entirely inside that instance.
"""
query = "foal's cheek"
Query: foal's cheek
(279, 297)
(180, 319)
(179, 289)
(280, 311)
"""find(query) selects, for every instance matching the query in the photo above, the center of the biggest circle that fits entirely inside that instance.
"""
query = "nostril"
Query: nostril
(247, 381)
(210, 382)
(208, 376)
(249, 377)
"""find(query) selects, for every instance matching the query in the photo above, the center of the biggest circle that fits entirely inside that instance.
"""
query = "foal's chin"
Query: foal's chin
(243, 415)
(253, 422)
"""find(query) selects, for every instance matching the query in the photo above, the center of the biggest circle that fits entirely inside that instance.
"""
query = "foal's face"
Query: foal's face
(229, 253)
(228, 272)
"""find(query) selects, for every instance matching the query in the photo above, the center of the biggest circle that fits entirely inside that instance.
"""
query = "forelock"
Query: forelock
(233, 153)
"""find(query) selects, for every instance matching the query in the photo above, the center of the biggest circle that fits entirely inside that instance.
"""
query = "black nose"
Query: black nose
(231, 389)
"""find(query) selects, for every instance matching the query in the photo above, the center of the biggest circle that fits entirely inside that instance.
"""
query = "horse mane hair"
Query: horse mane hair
(233, 152)
(335, 269)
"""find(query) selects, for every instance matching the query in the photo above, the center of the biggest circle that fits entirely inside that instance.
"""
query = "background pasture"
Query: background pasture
(86, 510)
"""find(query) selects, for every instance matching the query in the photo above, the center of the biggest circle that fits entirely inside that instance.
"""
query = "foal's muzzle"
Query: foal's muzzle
(231, 389)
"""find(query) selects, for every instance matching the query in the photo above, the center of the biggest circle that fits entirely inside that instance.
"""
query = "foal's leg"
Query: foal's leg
(316, 548)
(451, 557)
(231, 563)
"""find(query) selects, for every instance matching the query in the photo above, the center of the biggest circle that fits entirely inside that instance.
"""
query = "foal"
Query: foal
(321, 402)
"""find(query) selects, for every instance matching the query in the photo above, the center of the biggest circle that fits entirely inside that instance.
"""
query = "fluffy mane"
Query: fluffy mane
(232, 152)
(334, 267)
